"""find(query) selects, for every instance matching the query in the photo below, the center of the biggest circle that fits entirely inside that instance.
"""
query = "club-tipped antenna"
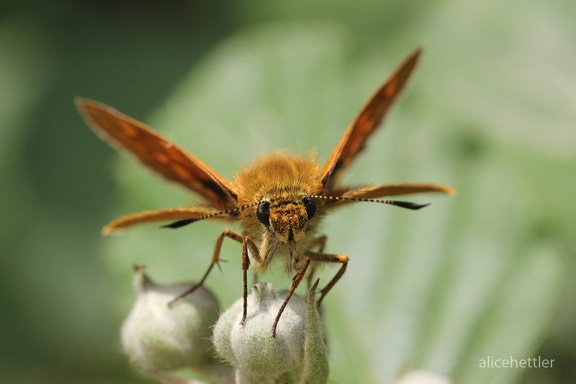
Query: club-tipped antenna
(402, 204)
(184, 222)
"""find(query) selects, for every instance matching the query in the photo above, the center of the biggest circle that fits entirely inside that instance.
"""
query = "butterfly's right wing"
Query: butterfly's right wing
(158, 153)
(183, 216)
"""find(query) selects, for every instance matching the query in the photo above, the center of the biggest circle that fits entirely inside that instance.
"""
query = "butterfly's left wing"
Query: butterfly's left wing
(387, 190)
(350, 195)
(366, 122)
(158, 153)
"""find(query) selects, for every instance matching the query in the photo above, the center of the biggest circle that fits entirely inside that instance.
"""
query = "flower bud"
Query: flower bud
(159, 337)
(257, 356)
(421, 377)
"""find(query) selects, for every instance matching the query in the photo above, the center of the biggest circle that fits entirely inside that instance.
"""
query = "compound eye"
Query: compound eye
(310, 205)
(263, 212)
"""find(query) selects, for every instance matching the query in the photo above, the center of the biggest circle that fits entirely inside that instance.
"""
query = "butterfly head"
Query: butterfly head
(288, 220)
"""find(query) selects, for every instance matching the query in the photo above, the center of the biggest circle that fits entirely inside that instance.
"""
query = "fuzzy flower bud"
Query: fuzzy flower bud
(421, 377)
(159, 337)
(296, 354)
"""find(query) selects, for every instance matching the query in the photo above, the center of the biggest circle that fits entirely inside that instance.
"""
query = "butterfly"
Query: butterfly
(279, 200)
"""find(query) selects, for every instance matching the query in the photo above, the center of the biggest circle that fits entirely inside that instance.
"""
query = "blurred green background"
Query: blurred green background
(490, 111)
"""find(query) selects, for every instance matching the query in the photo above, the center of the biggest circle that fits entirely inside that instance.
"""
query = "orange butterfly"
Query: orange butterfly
(279, 200)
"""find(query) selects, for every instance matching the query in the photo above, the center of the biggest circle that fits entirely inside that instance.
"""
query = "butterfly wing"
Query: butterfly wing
(158, 153)
(387, 190)
(354, 139)
(188, 214)
(384, 190)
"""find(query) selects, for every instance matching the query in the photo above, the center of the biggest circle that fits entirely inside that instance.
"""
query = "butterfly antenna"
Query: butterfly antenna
(184, 222)
(402, 204)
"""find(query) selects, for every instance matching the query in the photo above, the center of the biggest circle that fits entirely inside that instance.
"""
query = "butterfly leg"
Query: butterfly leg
(329, 258)
(319, 242)
(246, 243)
(302, 266)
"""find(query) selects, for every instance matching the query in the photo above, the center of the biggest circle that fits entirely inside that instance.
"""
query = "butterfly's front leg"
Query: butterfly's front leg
(246, 242)
(301, 267)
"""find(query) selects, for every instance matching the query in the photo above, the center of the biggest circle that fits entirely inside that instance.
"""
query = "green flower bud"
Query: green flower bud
(296, 354)
(158, 337)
